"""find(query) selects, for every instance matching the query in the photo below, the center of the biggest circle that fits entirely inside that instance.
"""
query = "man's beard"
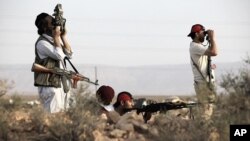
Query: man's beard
(49, 32)
(201, 39)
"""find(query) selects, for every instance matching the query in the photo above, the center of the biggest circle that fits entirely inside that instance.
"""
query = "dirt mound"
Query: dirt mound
(25, 122)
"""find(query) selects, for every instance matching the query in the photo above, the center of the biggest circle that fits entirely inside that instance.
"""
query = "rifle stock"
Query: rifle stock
(40, 69)
(69, 74)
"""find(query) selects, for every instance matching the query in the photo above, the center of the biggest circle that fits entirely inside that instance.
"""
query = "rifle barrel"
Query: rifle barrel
(165, 106)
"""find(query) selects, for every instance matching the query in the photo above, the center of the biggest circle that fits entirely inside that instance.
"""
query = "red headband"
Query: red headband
(197, 28)
(123, 97)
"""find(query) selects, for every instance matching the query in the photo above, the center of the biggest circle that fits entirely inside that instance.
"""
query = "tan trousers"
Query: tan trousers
(206, 97)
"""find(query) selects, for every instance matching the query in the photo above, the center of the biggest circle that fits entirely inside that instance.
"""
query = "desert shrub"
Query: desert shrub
(233, 105)
(236, 99)
(177, 129)
(5, 86)
(21, 122)
(3, 125)
(77, 123)
(14, 103)
(238, 84)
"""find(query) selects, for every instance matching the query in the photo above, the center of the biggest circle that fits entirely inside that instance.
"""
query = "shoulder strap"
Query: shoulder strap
(39, 39)
(66, 58)
(197, 68)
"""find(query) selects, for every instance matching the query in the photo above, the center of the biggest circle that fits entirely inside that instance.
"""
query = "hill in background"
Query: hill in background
(141, 80)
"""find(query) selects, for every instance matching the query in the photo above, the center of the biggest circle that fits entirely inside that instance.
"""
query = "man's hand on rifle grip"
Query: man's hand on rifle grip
(147, 116)
(75, 79)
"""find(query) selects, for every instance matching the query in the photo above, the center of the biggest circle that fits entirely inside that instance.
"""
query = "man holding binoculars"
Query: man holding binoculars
(202, 69)
(50, 50)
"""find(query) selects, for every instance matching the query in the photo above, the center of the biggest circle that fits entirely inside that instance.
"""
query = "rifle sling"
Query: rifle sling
(208, 83)
(197, 68)
(76, 71)
(66, 58)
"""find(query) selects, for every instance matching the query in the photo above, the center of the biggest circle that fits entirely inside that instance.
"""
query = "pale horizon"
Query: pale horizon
(128, 33)
(141, 80)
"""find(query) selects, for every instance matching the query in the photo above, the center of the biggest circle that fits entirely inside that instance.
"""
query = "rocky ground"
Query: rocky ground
(29, 122)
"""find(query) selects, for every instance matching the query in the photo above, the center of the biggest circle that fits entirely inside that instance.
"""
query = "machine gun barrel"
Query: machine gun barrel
(164, 106)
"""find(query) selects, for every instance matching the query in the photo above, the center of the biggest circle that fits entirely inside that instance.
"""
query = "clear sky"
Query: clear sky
(127, 32)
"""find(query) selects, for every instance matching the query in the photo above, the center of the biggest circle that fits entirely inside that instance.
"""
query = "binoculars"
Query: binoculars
(206, 35)
(59, 20)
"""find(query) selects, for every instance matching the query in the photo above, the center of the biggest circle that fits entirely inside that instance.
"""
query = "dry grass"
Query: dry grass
(21, 122)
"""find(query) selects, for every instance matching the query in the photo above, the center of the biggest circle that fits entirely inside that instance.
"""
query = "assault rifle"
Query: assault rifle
(209, 73)
(209, 69)
(209, 60)
(68, 74)
(164, 106)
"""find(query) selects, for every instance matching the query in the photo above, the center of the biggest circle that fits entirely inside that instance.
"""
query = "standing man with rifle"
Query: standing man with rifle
(202, 68)
(50, 50)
